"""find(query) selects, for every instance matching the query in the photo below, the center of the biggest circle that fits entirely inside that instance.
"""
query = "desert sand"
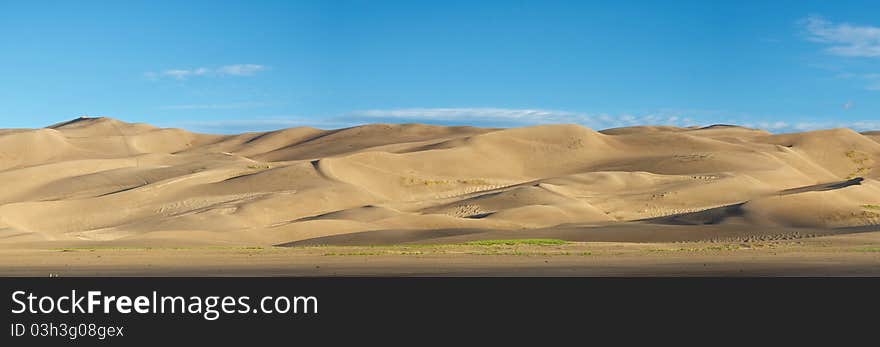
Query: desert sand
(102, 182)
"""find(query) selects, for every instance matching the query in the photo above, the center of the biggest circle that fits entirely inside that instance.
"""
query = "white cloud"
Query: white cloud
(872, 79)
(240, 69)
(449, 116)
(862, 125)
(502, 117)
(518, 117)
(772, 126)
(227, 70)
(782, 127)
(445, 114)
(844, 39)
(524, 117)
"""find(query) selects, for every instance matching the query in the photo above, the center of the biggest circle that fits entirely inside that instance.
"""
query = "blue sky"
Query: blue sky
(231, 66)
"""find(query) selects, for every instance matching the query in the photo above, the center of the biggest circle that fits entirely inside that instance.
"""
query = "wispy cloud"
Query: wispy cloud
(769, 126)
(453, 114)
(227, 70)
(504, 117)
(516, 117)
(524, 117)
(863, 125)
(799, 126)
(872, 80)
(844, 39)
(240, 69)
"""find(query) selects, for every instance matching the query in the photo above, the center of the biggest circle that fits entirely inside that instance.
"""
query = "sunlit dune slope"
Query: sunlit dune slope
(101, 179)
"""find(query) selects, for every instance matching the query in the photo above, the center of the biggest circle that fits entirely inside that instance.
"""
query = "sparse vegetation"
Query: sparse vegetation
(412, 181)
(536, 242)
(859, 159)
(514, 247)
(866, 214)
(692, 157)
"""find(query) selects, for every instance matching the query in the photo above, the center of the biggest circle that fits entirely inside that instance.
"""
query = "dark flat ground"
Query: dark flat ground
(855, 254)
(624, 232)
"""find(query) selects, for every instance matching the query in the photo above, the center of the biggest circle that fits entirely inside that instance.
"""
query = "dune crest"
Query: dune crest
(104, 180)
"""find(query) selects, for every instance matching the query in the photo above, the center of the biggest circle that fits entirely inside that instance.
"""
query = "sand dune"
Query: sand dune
(101, 180)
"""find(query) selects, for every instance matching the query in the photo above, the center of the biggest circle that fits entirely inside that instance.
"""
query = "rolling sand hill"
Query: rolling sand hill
(104, 181)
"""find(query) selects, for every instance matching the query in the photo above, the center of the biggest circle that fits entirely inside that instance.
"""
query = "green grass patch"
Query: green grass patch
(869, 249)
(516, 242)
(872, 207)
